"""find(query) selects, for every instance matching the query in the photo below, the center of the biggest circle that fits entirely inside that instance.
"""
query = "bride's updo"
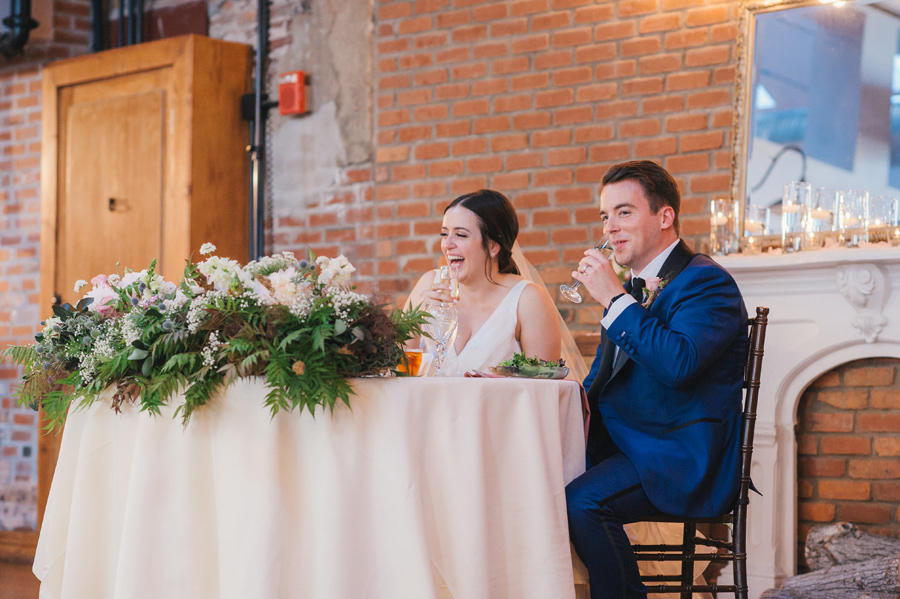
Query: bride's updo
(497, 221)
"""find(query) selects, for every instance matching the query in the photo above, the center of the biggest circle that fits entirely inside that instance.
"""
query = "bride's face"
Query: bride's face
(462, 244)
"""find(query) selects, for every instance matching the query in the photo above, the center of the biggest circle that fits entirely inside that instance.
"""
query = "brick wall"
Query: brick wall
(20, 151)
(537, 98)
(848, 441)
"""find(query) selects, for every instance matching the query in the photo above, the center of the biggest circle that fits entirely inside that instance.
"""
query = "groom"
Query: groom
(665, 387)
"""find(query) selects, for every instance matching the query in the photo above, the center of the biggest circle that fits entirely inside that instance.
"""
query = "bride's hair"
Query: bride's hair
(497, 221)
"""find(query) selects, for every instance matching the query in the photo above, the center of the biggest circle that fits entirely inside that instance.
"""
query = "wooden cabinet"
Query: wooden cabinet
(144, 156)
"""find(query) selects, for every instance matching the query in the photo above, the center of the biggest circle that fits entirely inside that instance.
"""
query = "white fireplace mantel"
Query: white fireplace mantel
(827, 307)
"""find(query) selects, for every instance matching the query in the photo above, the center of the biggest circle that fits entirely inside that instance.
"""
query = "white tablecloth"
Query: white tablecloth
(424, 489)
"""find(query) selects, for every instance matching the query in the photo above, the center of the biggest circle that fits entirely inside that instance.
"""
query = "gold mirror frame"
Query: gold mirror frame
(743, 96)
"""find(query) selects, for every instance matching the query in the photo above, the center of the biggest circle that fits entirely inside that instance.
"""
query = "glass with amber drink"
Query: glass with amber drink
(413, 360)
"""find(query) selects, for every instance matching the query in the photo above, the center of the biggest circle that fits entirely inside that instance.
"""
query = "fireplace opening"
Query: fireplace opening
(848, 446)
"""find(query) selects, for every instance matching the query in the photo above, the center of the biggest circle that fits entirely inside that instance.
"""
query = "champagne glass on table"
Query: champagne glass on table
(570, 292)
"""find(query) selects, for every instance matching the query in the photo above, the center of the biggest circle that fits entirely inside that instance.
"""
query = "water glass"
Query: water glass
(794, 203)
(883, 217)
(441, 327)
(821, 216)
(853, 217)
(723, 226)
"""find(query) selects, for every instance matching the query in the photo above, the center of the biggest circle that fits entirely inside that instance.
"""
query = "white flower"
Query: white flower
(222, 273)
(79, 284)
(334, 272)
(207, 248)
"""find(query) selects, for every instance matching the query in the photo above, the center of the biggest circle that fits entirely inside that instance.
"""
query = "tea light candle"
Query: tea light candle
(820, 213)
(753, 226)
(719, 219)
(850, 221)
(790, 208)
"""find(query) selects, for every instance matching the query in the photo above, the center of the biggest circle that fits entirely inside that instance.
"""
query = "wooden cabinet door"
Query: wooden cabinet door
(110, 199)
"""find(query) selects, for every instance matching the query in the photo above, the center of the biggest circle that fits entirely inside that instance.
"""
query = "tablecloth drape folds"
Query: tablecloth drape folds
(423, 489)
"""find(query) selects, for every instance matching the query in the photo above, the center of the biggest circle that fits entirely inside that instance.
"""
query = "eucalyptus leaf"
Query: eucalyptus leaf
(138, 354)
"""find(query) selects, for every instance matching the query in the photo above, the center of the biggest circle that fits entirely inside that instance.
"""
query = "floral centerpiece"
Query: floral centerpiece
(298, 324)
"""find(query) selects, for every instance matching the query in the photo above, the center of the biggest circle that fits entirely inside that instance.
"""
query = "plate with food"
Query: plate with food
(531, 368)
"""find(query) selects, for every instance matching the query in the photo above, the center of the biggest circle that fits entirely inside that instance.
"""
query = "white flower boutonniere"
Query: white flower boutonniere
(652, 287)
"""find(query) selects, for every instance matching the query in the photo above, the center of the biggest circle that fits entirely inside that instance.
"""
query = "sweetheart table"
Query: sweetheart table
(425, 488)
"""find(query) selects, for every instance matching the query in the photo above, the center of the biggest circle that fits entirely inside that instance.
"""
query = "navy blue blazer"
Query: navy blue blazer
(672, 400)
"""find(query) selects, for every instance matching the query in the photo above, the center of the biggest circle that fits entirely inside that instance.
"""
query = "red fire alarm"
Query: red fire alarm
(292, 92)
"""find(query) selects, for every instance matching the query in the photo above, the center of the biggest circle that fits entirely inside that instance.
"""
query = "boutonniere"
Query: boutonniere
(652, 287)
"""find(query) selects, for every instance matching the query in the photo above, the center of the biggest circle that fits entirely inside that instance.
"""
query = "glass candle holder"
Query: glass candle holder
(794, 204)
(723, 227)
(821, 217)
(853, 217)
(882, 219)
(756, 221)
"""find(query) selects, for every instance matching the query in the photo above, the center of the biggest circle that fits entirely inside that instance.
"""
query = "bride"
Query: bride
(500, 311)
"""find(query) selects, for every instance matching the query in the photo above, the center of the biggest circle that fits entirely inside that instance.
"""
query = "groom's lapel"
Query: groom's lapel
(674, 264)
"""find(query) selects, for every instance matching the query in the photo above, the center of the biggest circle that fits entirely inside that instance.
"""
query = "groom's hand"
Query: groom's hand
(598, 276)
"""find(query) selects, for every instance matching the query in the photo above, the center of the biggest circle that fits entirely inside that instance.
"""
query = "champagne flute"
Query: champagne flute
(441, 327)
(570, 292)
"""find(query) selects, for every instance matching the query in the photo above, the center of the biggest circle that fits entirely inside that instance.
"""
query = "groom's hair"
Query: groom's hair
(658, 185)
(497, 221)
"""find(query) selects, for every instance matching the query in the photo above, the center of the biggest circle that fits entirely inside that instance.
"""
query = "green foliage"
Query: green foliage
(294, 323)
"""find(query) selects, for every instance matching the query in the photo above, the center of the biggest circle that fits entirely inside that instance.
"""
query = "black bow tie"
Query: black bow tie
(637, 289)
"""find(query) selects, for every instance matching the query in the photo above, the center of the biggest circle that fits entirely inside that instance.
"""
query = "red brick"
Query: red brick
(553, 137)
(640, 128)
(664, 63)
(505, 143)
(577, 114)
(535, 120)
(508, 181)
(489, 87)
(505, 66)
(642, 86)
(529, 7)
(874, 468)
(536, 199)
(887, 446)
(429, 189)
(490, 13)
(595, 53)
(470, 107)
(415, 25)
(431, 151)
(888, 423)
(552, 20)
(709, 99)
(521, 161)
(594, 14)
(577, 195)
(846, 445)
(830, 467)
(710, 183)
(461, 186)
(640, 46)
(804, 490)
(408, 171)
(553, 177)
(660, 22)
(702, 141)
(533, 81)
(655, 147)
(807, 444)
(572, 37)
(511, 27)
(492, 50)
(707, 15)
(432, 112)
(469, 71)
(703, 57)
(531, 44)
(454, 129)
(557, 97)
(686, 122)
(489, 164)
(609, 152)
(597, 93)
(886, 491)
(551, 217)
(594, 133)
(816, 512)
(865, 513)
(393, 154)
(877, 376)
(491, 124)
(391, 192)
(470, 146)
(510, 103)
(448, 168)
(430, 40)
(848, 399)
(454, 18)
(614, 31)
(425, 6)
(452, 91)
(845, 489)
(686, 38)
(662, 104)
(415, 96)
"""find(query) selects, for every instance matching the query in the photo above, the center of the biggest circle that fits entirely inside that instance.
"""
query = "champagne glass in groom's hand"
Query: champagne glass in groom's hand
(570, 292)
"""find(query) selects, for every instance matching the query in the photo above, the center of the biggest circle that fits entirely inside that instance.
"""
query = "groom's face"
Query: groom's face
(636, 232)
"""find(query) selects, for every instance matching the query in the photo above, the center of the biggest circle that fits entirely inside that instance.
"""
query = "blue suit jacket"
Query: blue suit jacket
(672, 400)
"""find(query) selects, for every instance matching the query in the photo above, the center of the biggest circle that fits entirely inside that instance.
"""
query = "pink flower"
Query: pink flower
(652, 284)
(100, 281)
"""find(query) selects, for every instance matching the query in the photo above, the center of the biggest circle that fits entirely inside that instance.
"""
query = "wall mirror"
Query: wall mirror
(817, 99)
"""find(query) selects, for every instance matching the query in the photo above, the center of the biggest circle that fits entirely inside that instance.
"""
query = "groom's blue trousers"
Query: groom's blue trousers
(600, 502)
